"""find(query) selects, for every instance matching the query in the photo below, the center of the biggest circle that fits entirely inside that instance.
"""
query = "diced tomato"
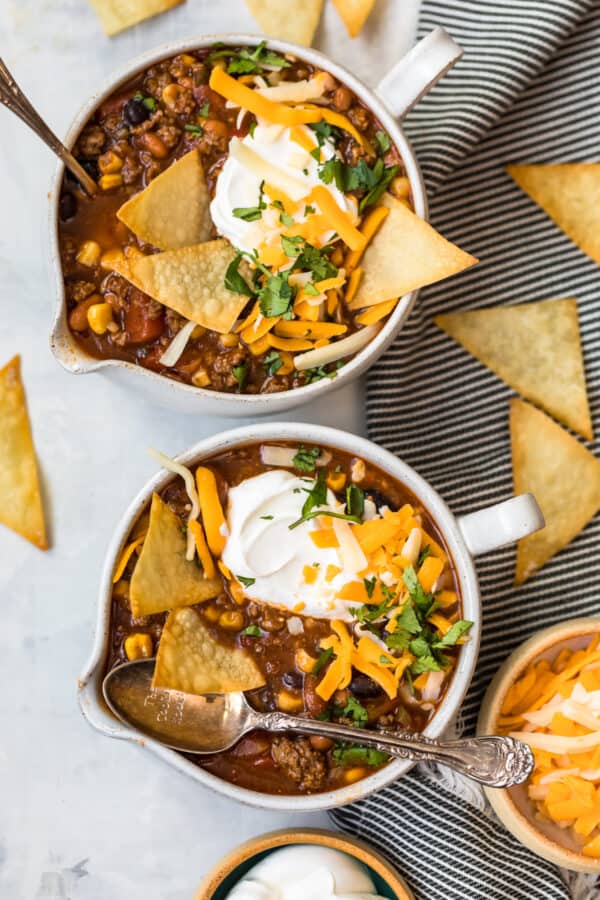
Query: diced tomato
(140, 327)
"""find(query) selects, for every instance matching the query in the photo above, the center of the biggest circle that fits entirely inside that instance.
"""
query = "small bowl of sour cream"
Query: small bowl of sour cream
(304, 864)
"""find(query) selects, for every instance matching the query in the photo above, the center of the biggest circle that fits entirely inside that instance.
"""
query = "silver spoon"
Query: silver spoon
(14, 99)
(213, 723)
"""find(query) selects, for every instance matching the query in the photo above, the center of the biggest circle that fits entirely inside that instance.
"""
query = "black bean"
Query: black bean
(67, 206)
(135, 111)
(363, 686)
(293, 680)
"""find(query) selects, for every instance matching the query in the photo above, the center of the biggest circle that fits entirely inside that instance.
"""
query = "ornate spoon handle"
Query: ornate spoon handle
(491, 760)
(14, 99)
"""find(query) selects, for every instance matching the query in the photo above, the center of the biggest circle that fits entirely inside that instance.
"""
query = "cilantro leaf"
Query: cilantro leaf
(383, 141)
(252, 631)
(242, 62)
(369, 584)
(196, 130)
(149, 102)
(306, 458)
(240, 373)
(453, 634)
(355, 501)
(353, 710)
(276, 297)
(236, 282)
(286, 220)
(292, 245)
(325, 132)
(247, 582)
(248, 213)
(315, 261)
(323, 659)
(204, 110)
(272, 362)
(423, 555)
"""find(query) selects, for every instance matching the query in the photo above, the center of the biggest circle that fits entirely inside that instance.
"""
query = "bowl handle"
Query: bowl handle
(417, 72)
(501, 524)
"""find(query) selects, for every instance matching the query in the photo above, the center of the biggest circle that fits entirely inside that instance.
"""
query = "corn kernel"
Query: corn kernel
(304, 661)
(336, 481)
(89, 253)
(232, 619)
(170, 94)
(108, 182)
(138, 646)
(354, 774)
(228, 340)
(287, 702)
(201, 377)
(99, 317)
(212, 613)
(400, 186)
(188, 60)
(198, 332)
(110, 162)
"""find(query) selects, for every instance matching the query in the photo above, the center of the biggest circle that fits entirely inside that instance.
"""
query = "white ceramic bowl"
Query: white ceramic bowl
(401, 88)
(466, 536)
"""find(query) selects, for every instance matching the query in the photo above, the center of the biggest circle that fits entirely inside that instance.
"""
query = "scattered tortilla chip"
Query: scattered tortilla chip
(192, 282)
(562, 475)
(405, 254)
(173, 211)
(190, 659)
(569, 194)
(287, 20)
(354, 14)
(534, 348)
(163, 578)
(117, 15)
(20, 498)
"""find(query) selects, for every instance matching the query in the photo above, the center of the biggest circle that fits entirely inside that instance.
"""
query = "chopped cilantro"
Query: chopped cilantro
(385, 660)
(149, 102)
(272, 363)
(309, 210)
(311, 290)
(353, 710)
(355, 501)
(306, 458)
(325, 132)
(374, 181)
(286, 220)
(423, 555)
(247, 582)
(276, 296)
(356, 754)
(196, 130)
(267, 518)
(323, 659)
(369, 613)
(320, 372)
(315, 261)
(292, 246)
(244, 62)
(316, 154)
(369, 584)
(236, 282)
(204, 110)
(383, 141)
(454, 634)
(252, 631)
(252, 128)
(240, 373)
(248, 213)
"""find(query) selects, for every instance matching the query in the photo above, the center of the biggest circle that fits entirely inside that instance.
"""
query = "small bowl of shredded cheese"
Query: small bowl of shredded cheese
(547, 694)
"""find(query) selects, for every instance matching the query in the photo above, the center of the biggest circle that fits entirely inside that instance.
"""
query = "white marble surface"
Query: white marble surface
(83, 817)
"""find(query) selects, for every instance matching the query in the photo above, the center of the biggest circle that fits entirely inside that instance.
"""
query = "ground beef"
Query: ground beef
(184, 103)
(359, 116)
(79, 290)
(169, 134)
(225, 363)
(157, 82)
(91, 142)
(303, 764)
(149, 124)
(131, 170)
(175, 322)
(116, 290)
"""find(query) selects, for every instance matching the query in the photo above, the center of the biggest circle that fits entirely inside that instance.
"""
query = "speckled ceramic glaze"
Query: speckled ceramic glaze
(512, 805)
(234, 866)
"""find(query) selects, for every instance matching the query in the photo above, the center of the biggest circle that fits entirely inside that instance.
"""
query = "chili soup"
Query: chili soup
(306, 577)
(248, 228)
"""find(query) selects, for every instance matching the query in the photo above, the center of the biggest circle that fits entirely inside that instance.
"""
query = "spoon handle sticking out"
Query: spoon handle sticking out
(491, 760)
(14, 99)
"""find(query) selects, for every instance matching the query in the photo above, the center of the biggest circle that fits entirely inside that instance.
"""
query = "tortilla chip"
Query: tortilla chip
(163, 578)
(173, 211)
(190, 659)
(192, 282)
(354, 14)
(562, 475)
(405, 254)
(20, 498)
(117, 15)
(569, 194)
(534, 348)
(287, 20)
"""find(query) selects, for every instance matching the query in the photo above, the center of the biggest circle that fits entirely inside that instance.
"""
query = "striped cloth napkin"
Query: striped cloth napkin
(526, 90)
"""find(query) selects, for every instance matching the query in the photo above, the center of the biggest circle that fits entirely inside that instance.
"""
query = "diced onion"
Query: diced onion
(277, 456)
(433, 686)
(320, 356)
(295, 625)
(352, 557)
(167, 463)
(177, 345)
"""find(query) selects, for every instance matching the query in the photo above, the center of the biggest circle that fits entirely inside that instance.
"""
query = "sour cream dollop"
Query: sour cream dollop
(239, 185)
(306, 873)
(262, 548)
